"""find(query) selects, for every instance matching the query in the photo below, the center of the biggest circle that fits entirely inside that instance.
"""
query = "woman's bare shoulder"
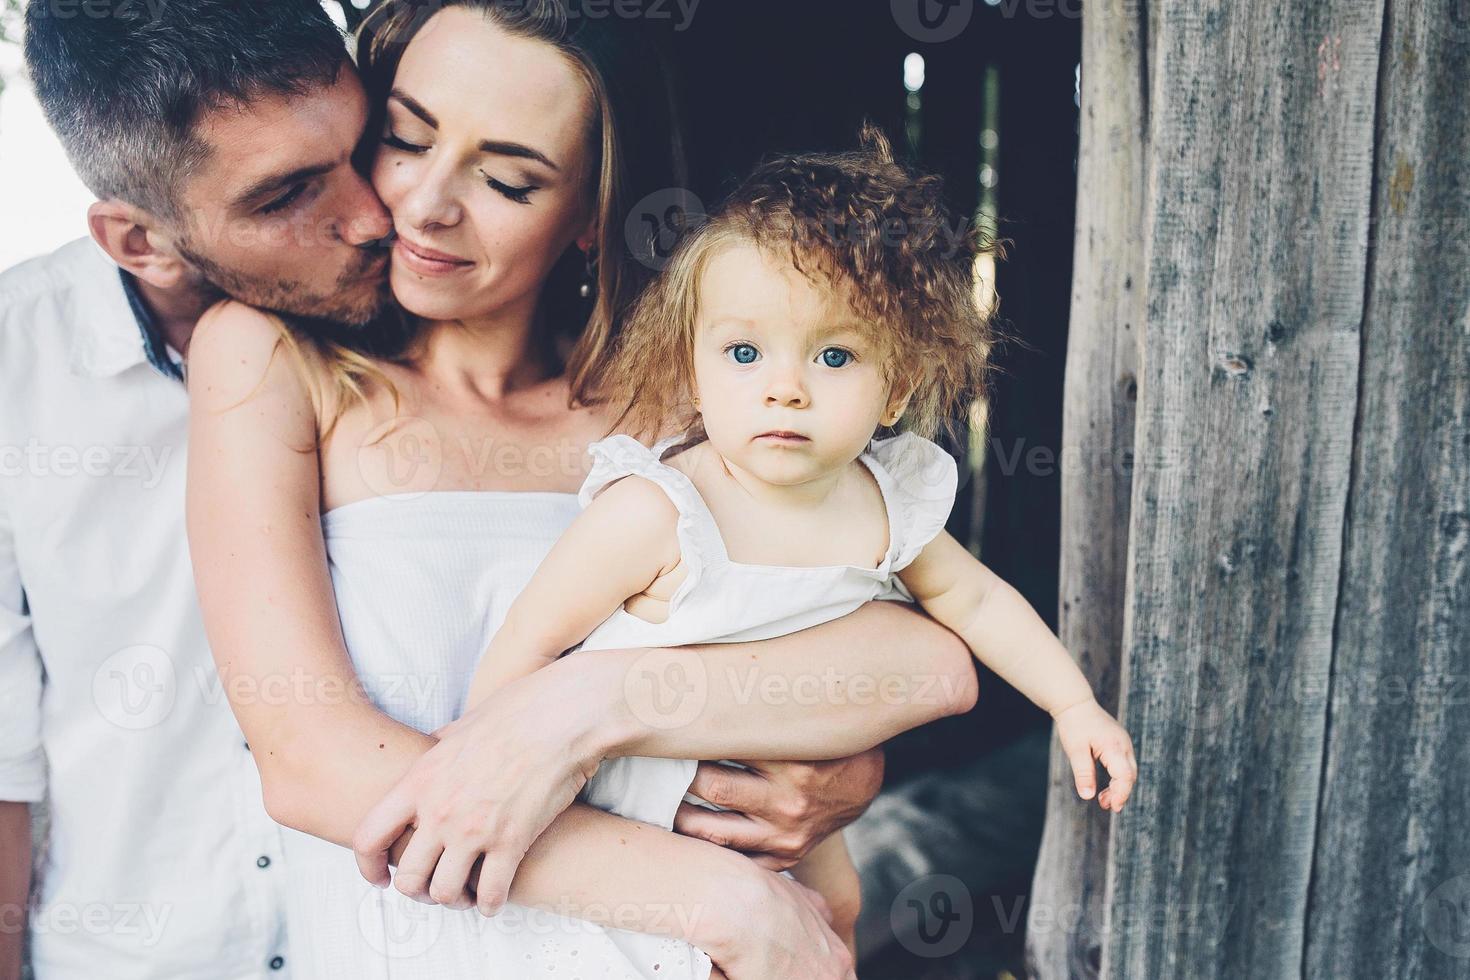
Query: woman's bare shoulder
(238, 351)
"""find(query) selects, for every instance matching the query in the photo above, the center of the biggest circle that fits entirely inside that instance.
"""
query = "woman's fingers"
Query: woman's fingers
(493, 888)
(383, 825)
(450, 884)
(416, 866)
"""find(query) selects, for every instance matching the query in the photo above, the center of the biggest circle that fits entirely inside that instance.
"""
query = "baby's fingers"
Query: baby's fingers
(1084, 771)
(1122, 774)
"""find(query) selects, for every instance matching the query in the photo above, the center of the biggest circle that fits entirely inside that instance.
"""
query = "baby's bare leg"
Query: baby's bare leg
(828, 870)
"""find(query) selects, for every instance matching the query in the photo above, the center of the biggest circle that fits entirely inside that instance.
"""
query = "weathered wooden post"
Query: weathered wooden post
(1103, 339)
(1295, 606)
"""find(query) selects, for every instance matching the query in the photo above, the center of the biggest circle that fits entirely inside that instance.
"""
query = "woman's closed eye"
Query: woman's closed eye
(521, 195)
(393, 140)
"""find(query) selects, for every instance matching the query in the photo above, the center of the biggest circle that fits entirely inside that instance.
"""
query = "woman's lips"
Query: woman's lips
(428, 261)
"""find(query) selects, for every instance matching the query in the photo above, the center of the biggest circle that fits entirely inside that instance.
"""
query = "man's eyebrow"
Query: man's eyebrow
(258, 191)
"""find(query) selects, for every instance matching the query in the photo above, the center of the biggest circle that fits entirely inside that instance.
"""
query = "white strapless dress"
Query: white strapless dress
(422, 583)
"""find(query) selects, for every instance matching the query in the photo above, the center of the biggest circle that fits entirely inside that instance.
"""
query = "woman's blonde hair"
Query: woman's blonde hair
(856, 219)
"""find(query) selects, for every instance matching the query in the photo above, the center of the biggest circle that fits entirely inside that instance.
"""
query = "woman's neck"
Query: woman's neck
(489, 358)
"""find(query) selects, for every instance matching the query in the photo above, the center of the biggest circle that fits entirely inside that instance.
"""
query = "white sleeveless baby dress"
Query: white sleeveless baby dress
(724, 601)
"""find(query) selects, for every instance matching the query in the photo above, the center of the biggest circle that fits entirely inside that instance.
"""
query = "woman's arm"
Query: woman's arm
(823, 693)
(326, 754)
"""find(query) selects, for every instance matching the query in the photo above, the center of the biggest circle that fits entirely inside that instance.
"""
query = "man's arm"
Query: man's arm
(22, 764)
(15, 884)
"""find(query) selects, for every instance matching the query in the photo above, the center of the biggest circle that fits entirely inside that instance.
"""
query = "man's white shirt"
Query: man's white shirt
(160, 860)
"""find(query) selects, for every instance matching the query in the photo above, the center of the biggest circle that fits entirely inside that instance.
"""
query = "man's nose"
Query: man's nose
(367, 219)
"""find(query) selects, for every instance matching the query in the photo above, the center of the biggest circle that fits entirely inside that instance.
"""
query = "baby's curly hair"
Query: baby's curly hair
(857, 218)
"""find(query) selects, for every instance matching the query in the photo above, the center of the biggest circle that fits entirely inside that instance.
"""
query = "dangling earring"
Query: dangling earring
(589, 281)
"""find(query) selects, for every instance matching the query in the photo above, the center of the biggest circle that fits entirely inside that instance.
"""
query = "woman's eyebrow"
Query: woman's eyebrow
(411, 104)
(520, 150)
(502, 148)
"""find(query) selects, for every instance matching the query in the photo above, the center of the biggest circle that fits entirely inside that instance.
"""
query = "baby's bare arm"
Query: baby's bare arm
(615, 548)
(828, 870)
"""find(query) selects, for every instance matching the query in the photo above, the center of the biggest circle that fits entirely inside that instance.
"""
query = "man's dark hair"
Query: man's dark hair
(125, 83)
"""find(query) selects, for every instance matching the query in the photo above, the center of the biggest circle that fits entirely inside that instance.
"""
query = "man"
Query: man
(218, 137)
(161, 861)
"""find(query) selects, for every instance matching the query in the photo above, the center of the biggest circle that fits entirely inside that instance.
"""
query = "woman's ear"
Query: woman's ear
(132, 238)
(587, 240)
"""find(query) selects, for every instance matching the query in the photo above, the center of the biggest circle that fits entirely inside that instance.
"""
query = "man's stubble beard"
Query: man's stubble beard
(350, 305)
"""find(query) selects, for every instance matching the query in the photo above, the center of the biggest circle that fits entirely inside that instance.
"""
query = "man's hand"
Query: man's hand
(778, 811)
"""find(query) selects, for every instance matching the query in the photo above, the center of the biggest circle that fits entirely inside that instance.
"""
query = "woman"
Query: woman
(360, 525)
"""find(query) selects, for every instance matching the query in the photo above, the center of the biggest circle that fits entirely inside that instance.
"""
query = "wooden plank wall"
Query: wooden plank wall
(1295, 637)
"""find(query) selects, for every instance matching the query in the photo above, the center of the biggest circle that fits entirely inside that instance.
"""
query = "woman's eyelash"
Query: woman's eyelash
(521, 195)
(399, 144)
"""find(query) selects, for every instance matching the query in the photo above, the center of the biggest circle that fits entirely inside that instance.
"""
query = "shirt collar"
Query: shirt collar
(113, 324)
(155, 348)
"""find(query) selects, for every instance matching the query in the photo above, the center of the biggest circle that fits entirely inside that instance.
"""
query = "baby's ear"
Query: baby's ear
(898, 403)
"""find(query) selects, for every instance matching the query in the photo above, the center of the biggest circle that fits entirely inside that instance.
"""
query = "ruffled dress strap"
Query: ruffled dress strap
(919, 482)
(618, 456)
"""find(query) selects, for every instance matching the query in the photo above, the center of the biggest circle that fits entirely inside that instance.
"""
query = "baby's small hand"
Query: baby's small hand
(1087, 732)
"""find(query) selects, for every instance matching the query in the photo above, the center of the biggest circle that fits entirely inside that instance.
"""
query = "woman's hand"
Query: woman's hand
(778, 929)
(1088, 732)
(496, 780)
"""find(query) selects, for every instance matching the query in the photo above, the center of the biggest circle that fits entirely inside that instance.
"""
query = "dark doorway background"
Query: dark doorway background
(765, 76)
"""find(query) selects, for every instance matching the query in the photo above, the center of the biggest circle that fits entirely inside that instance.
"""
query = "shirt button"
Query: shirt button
(277, 962)
(262, 862)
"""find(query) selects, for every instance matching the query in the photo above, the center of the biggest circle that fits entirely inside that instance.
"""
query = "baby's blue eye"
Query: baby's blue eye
(742, 353)
(836, 357)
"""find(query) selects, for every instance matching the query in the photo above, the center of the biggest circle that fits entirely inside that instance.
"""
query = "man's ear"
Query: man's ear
(135, 241)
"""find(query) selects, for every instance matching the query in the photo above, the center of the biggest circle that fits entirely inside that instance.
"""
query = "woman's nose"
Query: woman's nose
(433, 201)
